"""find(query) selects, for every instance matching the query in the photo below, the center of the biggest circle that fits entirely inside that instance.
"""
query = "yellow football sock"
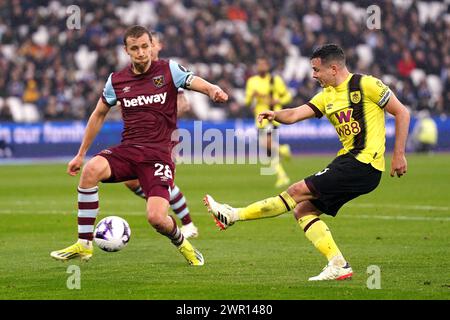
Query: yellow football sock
(285, 151)
(269, 207)
(278, 168)
(318, 233)
(280, 171)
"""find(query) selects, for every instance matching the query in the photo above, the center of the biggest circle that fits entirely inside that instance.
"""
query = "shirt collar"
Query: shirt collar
(130, 70)
(343, 85)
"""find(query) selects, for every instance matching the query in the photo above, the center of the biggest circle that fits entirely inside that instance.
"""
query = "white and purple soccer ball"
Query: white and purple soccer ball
(112, 233)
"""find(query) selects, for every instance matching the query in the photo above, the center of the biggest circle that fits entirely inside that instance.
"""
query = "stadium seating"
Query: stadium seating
(216, 44)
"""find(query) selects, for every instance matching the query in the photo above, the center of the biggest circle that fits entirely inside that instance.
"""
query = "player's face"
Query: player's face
(262, 66)
(139, 50)
(325, 74)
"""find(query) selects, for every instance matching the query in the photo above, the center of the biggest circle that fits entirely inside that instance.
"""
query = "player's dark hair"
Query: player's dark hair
(266, 59)
(135, 32)
(262, 57)
(329, 52)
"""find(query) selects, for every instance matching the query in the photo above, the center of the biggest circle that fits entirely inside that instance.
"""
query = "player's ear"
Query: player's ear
(334, 68)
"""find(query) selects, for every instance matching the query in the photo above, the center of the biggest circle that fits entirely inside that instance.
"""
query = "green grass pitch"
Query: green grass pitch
(403, 227)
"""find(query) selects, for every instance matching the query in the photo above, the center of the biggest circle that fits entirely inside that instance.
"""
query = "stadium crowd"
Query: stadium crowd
(61, 70)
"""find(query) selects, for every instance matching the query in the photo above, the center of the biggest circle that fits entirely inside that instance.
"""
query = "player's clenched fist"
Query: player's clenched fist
(218, 95)
(74, 166)
(268, 114)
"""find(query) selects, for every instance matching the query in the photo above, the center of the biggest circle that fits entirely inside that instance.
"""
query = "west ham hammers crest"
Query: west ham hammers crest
(158, 81)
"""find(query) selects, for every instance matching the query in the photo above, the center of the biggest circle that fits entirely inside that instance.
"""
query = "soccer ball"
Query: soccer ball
(112, 233)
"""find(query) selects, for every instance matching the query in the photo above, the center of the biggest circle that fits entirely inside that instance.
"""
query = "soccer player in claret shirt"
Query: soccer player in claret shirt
(355, 105)
(147, 91)
(177, 201)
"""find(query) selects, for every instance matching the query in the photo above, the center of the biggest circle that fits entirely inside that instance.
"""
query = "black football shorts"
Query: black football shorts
(341, 181)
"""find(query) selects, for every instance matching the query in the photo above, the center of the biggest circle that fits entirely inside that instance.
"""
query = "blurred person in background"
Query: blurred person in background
(267, 91)
(425, 133)
(207, 36)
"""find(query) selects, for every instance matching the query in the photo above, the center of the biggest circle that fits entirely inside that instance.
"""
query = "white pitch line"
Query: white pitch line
(378, 217)
(398, 206)
(142, 213)
(406, 218)
(355, 205)
(62, 212)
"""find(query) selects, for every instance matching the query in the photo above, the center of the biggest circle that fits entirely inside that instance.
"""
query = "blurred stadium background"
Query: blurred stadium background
(54, 75)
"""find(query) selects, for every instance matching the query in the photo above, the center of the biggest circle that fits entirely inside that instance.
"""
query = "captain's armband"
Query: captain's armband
(189, 80)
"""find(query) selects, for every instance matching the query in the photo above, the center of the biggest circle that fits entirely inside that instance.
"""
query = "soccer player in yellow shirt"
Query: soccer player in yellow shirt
(265, 91)
(355, 105)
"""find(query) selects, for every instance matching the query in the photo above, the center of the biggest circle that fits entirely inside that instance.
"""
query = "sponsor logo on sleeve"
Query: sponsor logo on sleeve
(385, 95)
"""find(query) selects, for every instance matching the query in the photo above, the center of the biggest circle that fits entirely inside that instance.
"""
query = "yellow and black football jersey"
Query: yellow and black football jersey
(355, 109)
(263, 90)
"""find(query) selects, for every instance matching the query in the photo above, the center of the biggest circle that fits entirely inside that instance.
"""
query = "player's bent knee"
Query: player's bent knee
(154, 217)
(95, 170)
(305, 208)
(157, 209)
(299, 191)
(158, 219)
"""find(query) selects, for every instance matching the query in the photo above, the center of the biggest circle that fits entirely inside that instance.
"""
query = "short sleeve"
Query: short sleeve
(376, 90)
(180, 74)
(109, 96)
(317, 104)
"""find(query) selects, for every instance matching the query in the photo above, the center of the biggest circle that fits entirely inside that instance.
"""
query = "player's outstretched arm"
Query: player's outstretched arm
(93, 126)
(399, 165)
(214, 92)
(288, 116)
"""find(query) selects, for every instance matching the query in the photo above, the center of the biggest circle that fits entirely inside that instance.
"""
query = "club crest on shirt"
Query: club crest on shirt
(355, 96)
(158, 81)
